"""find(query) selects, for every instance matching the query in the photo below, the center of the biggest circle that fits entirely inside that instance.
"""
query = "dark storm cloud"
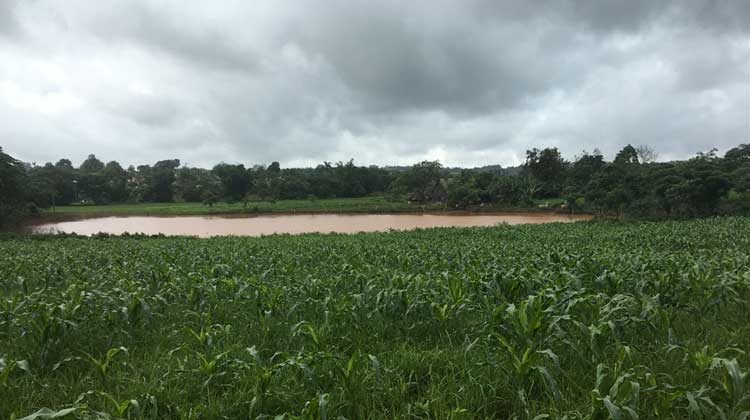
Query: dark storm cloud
(472, 82)
(394, 61)
(203, 44)
(8, 23)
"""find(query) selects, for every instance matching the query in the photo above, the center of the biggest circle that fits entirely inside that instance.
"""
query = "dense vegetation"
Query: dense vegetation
(631, 185)
(587, 321)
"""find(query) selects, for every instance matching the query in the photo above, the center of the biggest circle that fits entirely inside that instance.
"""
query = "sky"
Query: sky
(469, 82)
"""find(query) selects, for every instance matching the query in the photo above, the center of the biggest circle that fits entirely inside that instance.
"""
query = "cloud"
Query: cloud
(470, 83)
(8, 24)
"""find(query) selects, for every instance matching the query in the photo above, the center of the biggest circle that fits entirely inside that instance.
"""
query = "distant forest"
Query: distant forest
(631, 185)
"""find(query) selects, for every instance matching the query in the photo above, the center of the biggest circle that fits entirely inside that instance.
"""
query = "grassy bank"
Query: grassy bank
(333, 205)
(376, 204)
(582, 321)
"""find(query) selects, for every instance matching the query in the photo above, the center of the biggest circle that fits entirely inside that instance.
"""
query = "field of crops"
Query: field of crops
(577, 321)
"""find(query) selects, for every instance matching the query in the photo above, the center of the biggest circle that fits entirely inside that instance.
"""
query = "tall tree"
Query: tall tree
(584, 168)
(628, 155)
(12, 185)
(138, 185)
(91, 183)
(274, 168)
(422, 182)
(161, 180)
(646, 154)
(235, 180)
(64, 179)
(196, 185)
(91, 165)
(39, 188)
(115, 181)
(548, 167)
(739, 153)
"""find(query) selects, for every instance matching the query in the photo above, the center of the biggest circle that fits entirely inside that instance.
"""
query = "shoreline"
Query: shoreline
(360, 205)
(64, 217)
(48, 216)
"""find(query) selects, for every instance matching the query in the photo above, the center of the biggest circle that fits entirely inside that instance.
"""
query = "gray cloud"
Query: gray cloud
(8, 24)
(469, 83)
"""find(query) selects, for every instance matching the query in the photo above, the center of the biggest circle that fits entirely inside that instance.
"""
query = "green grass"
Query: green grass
(375, 204)
(580, 321)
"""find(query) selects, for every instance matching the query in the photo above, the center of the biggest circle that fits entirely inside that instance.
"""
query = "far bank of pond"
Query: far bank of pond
(207, 226)
(362, 205)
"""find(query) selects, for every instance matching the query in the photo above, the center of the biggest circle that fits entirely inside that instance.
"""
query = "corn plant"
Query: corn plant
(8, 366)
(103, 365)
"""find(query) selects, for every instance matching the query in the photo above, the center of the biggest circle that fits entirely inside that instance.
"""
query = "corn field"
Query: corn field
(598, 320)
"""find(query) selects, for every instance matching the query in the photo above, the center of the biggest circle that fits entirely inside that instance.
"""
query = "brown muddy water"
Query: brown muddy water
(207, 226)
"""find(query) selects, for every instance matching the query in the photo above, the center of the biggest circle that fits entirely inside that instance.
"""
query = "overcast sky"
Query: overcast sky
(467, 82)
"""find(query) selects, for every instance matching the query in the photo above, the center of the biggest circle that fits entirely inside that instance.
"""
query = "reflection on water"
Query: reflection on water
(205, 226)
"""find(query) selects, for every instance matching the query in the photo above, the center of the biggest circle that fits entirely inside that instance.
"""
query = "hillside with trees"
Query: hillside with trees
(632, 185)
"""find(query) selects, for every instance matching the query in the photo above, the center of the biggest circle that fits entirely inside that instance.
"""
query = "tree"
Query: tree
(91, 185)
(512, 190)
(616, 189)
(39, 189)
(709, 155)
(235, 180)
(115, 182)
(646, 154)
(196, 185)
(12, 188)
(706, 185)
(741, 152)
(627, 156)
(138, 184)
(351, 179)
(580, 173)
(463, 191)
(91, 165)
(274, 168)
(293, 186)
(161, 180)
(422, 182)
(548, 167)
(323, 182)
(583, 169)
(63, 181)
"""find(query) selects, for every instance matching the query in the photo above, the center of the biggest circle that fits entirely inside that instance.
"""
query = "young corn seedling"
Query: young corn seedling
(353, 381)
(529, 369)
(121, 408)
(210, 367)
(7, 367)
(204, 338)
(103, 365)
(318, 335)
(733, 384)
(617, 395)
(315, 409)
(265, 372)
(46, 413)
(523, 341)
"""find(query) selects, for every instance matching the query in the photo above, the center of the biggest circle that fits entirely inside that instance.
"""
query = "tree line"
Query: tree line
(631, 185)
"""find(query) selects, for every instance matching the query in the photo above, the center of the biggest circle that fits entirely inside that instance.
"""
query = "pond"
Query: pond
(207, 226)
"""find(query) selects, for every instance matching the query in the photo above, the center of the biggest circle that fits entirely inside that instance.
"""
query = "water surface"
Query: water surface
(206, 226)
